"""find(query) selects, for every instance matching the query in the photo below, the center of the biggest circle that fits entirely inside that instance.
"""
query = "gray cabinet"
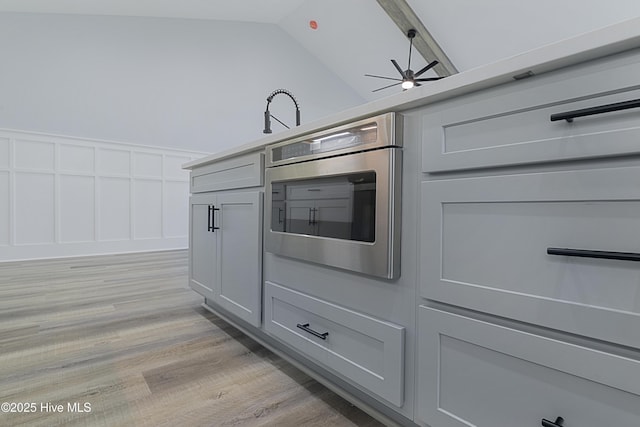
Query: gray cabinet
(202, 245)
(528, 232)
(511, 124)
(236, 172)
(226, 251)
(364, 349)
(475, 373)
(488, 239)
(499, 331)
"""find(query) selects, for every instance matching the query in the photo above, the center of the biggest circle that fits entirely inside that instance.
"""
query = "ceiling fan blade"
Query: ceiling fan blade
(429, 79)
(382, 77)
(427, 68)
(395, 64)
(386, 87)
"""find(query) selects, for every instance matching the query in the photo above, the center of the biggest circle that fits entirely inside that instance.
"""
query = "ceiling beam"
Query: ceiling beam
(406, 19)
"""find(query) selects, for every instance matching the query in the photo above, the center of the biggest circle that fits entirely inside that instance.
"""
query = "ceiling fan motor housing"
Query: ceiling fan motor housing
(409, 78)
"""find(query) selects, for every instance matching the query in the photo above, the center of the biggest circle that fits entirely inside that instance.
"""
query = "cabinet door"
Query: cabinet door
(239, 254)
(555, 249)
(475, 373)
(202, 245)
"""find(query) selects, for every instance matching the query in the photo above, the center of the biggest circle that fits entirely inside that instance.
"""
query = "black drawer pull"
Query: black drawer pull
(213, 219)
(209, 218)
(584, 253)
(306, 328)
(618, 106)
(558, 422)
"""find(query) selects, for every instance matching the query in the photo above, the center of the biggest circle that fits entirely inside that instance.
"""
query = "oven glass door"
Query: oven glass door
(341, 211)
(339, 207)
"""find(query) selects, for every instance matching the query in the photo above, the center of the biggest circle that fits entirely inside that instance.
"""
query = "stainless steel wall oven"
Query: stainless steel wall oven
(334, 196)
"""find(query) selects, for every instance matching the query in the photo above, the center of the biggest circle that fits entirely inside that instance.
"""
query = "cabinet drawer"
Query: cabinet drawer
(237, 172)
(511, 124)
(484, 246)
(368, 351)
(473, 373)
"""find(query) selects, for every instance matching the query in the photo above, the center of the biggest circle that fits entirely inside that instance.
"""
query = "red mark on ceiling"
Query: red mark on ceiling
(313, 24)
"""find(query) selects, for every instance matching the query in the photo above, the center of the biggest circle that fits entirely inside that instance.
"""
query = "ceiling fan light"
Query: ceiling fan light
(407, 84)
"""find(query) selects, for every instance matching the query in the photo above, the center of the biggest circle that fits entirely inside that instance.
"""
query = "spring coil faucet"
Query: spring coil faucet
(267, 114)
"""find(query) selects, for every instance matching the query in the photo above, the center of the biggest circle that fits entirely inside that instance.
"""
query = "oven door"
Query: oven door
(341, 211)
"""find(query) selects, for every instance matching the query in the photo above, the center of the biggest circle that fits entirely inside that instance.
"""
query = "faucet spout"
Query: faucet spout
(268, 115)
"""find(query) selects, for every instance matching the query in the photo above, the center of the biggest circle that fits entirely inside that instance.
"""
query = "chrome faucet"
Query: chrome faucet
(268, 115)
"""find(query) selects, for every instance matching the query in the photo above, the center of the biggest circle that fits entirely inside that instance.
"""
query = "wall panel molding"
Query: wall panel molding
(4, 208)
(4, 153)
(65, 196)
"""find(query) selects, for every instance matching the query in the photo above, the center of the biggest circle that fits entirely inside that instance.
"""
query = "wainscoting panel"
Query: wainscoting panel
(77, 208)
(4, 153)
(176, 208)
(114, 162)
(34, 155)
(147, 165)
(115, 209)
(64, 196)
(77, 159)
(172, 169)
(4, 208)
(34, 208)
(147, 209)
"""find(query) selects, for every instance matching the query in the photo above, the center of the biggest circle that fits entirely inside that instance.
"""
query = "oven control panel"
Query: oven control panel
(365, 134)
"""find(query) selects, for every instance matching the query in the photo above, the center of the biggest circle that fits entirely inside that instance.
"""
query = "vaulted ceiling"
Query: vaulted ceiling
(355, 37)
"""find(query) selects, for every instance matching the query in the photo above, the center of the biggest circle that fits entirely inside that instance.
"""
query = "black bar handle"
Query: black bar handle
(557, 423)
(310, 221)
(209, 218)
(280, 215)
(306, 328)
(213, 218)
(584, 253)
(618, 106)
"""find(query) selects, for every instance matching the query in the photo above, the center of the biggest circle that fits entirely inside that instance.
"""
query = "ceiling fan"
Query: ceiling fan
(409, 77)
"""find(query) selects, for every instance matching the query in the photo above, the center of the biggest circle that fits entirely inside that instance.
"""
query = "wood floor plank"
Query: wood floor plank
(125, 334)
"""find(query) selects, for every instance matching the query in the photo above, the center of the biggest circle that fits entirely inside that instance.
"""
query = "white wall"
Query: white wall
(163, 89)
(62, 196)
(192, 84)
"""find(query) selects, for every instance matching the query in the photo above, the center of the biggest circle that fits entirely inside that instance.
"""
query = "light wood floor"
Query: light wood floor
(125, 334)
